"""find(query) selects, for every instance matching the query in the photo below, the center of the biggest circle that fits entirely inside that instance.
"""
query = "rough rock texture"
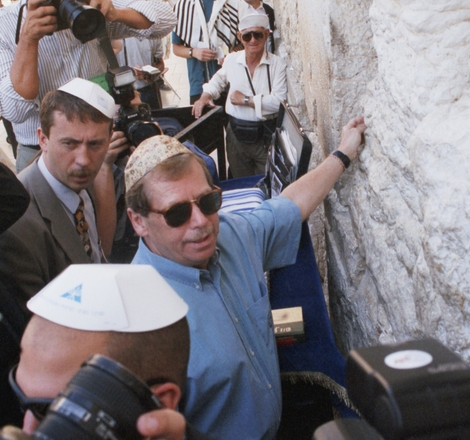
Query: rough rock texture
(397, 224)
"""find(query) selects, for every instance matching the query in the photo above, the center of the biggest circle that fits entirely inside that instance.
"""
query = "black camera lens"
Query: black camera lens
(86, 23)
(102, 401)
(138, 131)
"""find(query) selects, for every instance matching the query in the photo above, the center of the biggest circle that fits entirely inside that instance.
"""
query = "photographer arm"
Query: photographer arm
(137, 18)
(312, 188)
(40, 21)
(127, 16)
(106, 216)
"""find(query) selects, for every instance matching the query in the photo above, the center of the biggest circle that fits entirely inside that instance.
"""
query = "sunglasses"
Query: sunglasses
(179, 213)
(37, 405)
(248, 35)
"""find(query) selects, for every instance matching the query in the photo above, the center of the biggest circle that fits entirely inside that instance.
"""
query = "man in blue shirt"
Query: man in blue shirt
(216, 262)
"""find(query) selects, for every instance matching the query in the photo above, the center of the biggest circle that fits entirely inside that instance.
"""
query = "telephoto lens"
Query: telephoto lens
(102, 401)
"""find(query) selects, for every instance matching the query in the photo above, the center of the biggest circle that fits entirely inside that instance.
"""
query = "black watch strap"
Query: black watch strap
(342, 157)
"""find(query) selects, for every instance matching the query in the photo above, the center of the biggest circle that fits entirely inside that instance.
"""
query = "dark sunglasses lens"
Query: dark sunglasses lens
(247, 37)
(178, 214)
(210, 203)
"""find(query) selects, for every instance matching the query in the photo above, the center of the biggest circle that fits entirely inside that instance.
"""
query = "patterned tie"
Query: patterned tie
(82, 228)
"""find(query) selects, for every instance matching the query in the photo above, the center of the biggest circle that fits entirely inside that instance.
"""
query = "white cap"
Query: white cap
(109, 297)
(92, 94)
(254, 20)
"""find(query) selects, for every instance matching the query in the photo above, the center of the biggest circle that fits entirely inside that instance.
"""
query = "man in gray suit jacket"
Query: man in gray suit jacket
(63, 222)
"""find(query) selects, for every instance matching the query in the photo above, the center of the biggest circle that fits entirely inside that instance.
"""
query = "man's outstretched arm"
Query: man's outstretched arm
(312, 188)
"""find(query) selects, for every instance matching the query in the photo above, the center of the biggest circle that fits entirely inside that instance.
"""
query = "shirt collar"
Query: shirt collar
(265, 59)
(172, 270)
(68, 197)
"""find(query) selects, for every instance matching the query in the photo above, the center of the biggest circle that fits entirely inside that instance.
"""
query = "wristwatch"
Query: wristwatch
(342, 157)
(246, 100)
(190, 52)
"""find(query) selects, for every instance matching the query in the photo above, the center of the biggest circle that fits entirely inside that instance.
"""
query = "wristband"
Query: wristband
(342, 157)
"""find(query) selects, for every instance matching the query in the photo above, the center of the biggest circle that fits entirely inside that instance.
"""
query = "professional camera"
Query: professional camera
(86, 23)
(102, 401)
(135, 120)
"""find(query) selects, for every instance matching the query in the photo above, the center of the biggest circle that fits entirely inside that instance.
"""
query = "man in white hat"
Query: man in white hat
(62, 224)
(257, 86)
(127, 313)
(246, 7)
(216, 263)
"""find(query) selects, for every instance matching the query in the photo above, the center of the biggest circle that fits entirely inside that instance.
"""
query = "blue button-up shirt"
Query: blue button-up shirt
(233, 389)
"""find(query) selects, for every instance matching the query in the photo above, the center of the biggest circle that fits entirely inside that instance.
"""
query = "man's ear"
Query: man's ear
(168, 394)
(42, 139)
(138, 223)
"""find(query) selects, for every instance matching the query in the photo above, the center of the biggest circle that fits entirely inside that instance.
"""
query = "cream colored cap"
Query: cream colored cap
(254, 20)
(109, 297)
(149, 154)
(92, 94)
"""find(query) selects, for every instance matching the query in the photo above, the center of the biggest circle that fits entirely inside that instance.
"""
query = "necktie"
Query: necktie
(81, 226)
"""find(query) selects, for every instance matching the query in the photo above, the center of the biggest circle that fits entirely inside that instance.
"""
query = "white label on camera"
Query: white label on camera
(408, 359)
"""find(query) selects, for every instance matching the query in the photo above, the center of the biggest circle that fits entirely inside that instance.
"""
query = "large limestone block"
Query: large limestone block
(412, 211)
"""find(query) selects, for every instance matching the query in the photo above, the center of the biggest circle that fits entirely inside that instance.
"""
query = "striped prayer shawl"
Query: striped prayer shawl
(221, 28)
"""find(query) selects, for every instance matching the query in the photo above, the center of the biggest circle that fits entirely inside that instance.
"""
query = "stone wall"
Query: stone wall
(396, 227)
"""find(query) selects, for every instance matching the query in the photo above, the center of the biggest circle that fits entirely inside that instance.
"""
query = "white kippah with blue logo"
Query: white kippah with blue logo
(109, 297)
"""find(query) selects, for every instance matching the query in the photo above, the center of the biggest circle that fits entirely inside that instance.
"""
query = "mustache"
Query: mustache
(200, 234)
(81, 173)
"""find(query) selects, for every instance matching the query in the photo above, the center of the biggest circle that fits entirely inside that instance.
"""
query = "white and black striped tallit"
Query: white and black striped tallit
(221, 28)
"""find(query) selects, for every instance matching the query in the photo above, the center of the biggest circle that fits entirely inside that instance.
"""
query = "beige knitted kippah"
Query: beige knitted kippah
(149, 154)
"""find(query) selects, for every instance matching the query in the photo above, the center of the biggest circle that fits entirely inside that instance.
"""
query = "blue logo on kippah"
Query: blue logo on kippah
(75, 294)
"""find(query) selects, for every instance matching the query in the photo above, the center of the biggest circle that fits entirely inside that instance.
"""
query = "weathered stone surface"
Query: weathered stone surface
(397, 225)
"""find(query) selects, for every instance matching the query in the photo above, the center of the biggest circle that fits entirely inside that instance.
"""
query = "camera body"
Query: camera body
(135, 120)
(86, 23)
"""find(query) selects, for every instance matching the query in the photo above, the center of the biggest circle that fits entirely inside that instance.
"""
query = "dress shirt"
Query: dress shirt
(234, 72)
(233, 389)
(70, 200)
(62, 57)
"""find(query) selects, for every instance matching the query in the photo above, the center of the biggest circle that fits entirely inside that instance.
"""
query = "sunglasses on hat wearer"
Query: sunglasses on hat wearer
(248, 35)
(37, 405)
(179, 213)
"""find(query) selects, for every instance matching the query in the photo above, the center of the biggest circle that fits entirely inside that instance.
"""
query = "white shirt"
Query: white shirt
(70, 200)
(62, 57)
(234, 71)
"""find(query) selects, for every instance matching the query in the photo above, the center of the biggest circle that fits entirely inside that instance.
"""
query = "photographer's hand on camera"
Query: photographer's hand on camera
(162, 424)
(41, 20)
(127, 16)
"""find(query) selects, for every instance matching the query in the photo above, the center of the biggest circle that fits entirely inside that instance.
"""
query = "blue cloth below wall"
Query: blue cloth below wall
(318, 359)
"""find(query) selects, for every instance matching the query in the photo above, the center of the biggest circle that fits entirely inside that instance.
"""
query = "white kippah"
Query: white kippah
(92, 94)
(109, 297)
(253, 20)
